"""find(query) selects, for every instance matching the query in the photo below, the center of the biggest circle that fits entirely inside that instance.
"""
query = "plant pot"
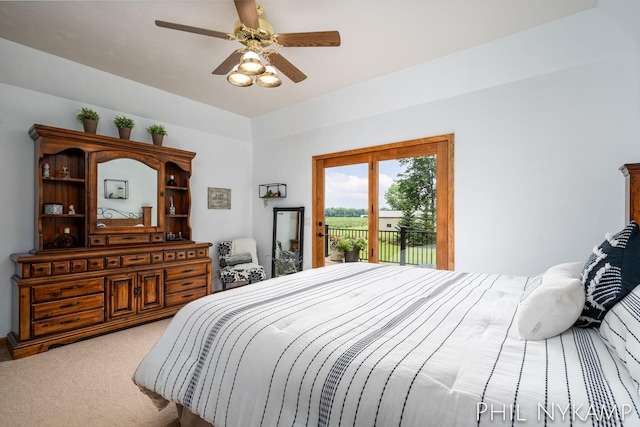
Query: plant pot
(336, 255)
(125, 133)
(90, 126)
(352, 256)
(157, 139)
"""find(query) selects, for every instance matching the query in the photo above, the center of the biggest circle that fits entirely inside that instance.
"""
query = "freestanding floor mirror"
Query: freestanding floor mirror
(287, 241)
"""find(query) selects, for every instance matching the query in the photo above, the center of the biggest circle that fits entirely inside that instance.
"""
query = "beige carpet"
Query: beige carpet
(84, 384)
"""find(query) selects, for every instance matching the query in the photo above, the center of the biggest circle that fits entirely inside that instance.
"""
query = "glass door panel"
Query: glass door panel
(346, 195)
(406, 211)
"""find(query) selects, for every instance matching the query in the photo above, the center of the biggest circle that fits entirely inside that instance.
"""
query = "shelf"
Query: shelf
(171, 187)
(51, 179)
(272, 191)
(62, 216)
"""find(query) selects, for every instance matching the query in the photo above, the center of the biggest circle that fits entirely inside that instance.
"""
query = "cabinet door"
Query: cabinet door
(151, 290)
(122, 298)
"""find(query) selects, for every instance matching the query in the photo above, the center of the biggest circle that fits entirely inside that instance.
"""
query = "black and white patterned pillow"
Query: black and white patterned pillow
(610, 273)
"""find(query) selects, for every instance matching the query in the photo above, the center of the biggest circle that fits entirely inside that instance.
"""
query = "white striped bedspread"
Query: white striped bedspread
(361, 344)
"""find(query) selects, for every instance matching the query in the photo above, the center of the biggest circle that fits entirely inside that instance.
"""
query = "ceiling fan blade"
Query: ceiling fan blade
(228, 63)
(313, 39)
(248, 13)
(189, 29)
(285, 67)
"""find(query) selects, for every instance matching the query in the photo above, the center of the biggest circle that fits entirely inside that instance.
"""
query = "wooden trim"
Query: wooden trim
(3, 341)
(442, 146)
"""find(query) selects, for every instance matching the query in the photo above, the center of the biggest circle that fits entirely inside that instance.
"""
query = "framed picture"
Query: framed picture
(219, 198)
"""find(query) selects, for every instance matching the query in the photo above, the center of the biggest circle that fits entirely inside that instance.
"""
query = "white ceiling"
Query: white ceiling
(378, 37)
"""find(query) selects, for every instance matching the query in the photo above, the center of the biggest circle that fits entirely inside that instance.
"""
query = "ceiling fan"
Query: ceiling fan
(257, 35)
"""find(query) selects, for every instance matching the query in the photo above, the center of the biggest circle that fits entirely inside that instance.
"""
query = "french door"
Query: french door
(441, 147)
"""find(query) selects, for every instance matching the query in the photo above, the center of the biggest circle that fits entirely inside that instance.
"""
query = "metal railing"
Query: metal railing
(403, 247)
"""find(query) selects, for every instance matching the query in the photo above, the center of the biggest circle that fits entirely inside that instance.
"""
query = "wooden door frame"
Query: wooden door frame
(441, 146)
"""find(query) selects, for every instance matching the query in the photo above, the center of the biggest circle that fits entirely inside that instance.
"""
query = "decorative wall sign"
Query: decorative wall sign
(219, 198)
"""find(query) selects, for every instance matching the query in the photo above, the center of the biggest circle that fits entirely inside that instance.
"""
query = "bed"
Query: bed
(361, 344)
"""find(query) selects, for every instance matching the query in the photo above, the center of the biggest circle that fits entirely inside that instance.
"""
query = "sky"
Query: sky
(346, 186)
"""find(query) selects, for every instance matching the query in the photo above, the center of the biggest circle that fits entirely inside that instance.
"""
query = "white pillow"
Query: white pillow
(551, 303)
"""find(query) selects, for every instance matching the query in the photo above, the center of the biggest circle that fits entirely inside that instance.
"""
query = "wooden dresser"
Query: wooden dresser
(99, 264)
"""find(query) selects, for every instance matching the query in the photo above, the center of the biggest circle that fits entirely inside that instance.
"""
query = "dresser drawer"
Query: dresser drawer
(67, 289)
(68, 322)
(41, 269)
(96, 264)
(179, 298)
(79, 266)
(188, 270)
(60, 267)
(127, 239)
(113, 261)
(186, 284)
(136, 259)
(47, 310)
(202, 252)
(97, 241)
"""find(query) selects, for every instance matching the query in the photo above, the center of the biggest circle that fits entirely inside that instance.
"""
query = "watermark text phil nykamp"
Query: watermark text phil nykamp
(553, 412)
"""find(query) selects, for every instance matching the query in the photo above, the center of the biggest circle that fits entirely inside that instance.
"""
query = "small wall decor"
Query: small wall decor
(219, 198)
(116, 189)
(272, 191)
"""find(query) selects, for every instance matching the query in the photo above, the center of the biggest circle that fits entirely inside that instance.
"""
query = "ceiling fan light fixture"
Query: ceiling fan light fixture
(269, 78)
(250, 64)
(239, 79)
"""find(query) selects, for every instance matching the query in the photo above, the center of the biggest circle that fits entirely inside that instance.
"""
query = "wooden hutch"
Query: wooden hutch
(113, 243)
(631, 173)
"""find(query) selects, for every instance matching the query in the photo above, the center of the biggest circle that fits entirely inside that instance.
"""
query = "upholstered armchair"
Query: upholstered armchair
(238, 260)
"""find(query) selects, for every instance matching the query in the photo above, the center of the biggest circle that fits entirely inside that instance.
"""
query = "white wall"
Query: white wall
(542, 122)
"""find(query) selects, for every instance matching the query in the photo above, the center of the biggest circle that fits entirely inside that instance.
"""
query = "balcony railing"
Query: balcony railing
(403, 247)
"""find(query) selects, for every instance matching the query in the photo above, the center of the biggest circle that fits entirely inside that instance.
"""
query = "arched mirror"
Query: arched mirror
(287, 241)
(125, 194)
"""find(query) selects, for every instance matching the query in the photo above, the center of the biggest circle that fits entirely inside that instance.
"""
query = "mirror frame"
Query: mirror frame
(105, 156)
(300, 211)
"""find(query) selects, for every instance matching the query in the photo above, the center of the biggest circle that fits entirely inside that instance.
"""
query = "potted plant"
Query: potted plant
(335, 254)
(89, 119)
(157, 132)
(124, 125)
(351, 247)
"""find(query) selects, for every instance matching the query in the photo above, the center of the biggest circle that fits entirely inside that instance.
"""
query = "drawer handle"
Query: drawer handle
(187, 284)
(70, 321)
(187, 271)
(41, 269)
(137, 258)
(70, 288)
(73, 304)
(187, 296)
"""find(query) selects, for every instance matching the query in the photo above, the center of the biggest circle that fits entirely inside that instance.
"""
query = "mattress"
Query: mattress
(360, 344)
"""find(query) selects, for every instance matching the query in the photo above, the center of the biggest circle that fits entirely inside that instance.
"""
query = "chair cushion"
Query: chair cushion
(253, 274)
